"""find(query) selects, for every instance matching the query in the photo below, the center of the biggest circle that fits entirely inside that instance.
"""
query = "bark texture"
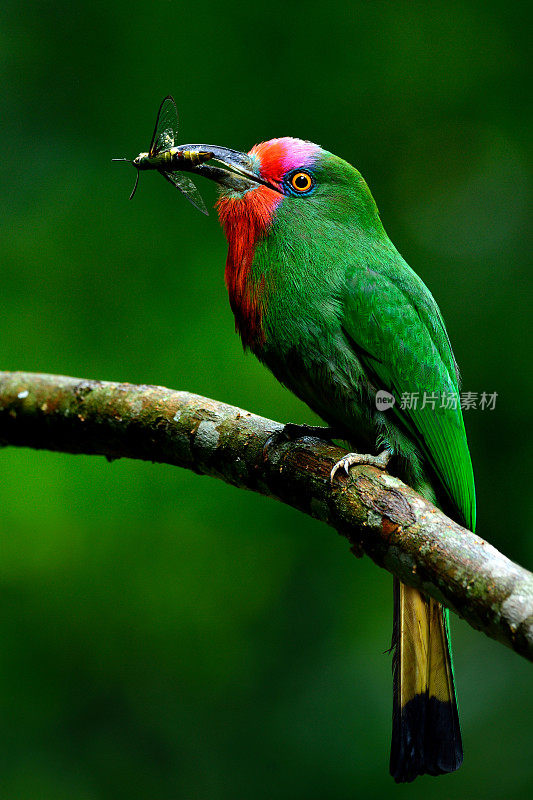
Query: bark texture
(377, 513)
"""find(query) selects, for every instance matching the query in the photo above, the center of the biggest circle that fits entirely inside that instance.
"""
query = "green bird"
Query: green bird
(323, 298)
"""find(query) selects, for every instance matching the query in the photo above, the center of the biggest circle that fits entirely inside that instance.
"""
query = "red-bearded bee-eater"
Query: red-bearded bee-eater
(323, 298)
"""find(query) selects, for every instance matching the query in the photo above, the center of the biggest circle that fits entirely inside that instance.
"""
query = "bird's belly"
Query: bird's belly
(333, 384)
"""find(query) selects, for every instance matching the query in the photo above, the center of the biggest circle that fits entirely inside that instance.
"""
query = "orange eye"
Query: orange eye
(301, 182)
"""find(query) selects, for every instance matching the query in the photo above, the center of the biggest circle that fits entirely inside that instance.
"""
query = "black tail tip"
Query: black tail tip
(426, 739)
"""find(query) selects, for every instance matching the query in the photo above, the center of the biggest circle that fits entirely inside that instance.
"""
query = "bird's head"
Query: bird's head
(289, 201)
(287, 174)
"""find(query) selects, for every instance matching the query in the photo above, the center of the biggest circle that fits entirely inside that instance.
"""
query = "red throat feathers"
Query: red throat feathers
(245, 219)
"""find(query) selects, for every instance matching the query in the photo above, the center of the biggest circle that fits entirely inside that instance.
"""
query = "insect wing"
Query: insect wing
(166, 127)
(187, 187)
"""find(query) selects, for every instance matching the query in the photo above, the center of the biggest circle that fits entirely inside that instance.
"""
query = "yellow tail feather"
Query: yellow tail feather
(425, 736)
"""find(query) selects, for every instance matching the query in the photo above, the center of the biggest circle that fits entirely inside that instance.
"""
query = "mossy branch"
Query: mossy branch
(378, 514)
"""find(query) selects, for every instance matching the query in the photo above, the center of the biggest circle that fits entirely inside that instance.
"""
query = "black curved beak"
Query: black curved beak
(236, 172)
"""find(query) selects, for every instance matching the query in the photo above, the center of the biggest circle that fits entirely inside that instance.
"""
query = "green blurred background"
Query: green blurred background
(167, 636)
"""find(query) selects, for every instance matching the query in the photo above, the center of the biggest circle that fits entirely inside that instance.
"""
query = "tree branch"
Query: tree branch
(377, 513)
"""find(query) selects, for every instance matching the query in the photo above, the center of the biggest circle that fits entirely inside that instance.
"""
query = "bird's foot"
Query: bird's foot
(292, 431)
(350, 459)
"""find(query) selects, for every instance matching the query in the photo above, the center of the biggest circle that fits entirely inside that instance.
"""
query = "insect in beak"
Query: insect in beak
(168, 159)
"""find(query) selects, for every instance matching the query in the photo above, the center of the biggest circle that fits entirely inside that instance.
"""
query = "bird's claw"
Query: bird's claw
(277, 437)
(351, 459)
(293, 430)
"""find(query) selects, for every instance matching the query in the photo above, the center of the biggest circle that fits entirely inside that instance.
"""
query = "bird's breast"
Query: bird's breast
(246, 219)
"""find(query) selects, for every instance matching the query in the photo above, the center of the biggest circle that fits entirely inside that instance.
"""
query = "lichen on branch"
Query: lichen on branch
(378, 514)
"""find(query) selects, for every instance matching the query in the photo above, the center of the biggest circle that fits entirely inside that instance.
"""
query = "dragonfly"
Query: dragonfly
(167, 158)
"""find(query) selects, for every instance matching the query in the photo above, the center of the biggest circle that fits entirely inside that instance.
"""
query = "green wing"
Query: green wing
(396, 329)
